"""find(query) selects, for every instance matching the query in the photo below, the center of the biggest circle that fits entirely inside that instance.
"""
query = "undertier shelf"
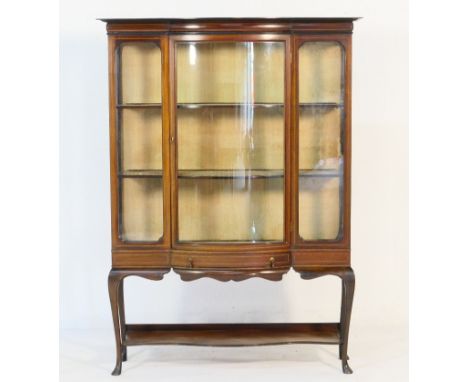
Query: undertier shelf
(232, 334)
(228, 174)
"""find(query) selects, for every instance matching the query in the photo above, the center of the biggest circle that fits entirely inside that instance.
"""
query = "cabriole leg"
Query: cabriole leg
(347, 293)
(114, 284)
(122, 319)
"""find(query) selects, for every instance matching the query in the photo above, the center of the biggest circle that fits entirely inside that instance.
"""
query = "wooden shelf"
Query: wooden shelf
(319, 173)
(141, 173)
(228, 174)
(138, 105)
(228, 104)
(232, 334)
(256, 104)
(321, 104)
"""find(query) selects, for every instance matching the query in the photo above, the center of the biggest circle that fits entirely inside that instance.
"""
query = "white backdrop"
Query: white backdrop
(379, 188)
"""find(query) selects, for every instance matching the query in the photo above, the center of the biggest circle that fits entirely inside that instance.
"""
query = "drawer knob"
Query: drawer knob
(190, 262)
(272, 262)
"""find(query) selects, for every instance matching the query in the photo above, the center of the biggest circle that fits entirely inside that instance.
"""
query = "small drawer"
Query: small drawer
(197, 260)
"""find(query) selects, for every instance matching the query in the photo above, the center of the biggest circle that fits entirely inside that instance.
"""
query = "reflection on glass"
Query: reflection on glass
(230, 126)
(320, 140)
(140, 143)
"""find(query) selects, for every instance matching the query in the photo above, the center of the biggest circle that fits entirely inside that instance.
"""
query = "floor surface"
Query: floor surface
(376, 354)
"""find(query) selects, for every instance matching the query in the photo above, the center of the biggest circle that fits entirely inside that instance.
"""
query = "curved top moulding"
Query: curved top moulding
(249, 25)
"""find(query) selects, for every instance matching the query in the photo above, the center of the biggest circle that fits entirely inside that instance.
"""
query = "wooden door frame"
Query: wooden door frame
(114, 53)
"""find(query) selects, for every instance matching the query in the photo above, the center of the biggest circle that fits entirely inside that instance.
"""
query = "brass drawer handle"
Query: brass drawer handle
(190, 262)
(272, 262)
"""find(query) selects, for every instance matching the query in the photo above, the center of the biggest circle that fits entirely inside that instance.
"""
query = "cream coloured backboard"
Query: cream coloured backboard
(141, 139)
(140, 73)
(319, 206)
(142, 209)
(231, 209)
(321, 72)
(230, 72)
(231, 138)
(320, 138)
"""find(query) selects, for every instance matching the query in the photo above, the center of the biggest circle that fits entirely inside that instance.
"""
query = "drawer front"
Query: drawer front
(197, 260)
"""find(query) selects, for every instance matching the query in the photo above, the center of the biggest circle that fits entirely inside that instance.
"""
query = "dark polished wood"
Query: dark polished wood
(166, 252)
(233, 334)
(228, 261)
(232, 25)
(116, 295)
(230, 334)
(231, 275)
(347, 293)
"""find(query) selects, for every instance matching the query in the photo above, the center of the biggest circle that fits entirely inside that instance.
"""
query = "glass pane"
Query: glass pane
(140, 143)
(230, 126)
(231, 209)
(227, 138)
(230, 72)
(142, 209)
(319, 208)
(320, 72)
(320, 140)
(140, 73)
(141, 139)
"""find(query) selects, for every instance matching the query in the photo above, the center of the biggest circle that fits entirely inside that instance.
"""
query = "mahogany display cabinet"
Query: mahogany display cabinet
(230, 158)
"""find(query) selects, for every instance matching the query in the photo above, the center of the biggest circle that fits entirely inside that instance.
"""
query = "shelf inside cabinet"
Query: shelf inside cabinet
(321, 104)
(227, 104)
(325, 173)
(141, 173)
(138, 105)
(228, 174)
(198, 105)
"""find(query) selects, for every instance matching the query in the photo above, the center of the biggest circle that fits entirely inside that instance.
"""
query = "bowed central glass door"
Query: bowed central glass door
(230, 141)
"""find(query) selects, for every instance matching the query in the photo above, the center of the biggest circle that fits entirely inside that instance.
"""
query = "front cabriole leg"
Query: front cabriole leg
(116, 295)
(347, 292)
(114, 283)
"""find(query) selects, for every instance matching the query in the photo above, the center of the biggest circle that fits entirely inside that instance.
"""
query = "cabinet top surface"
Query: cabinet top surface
(231, 20)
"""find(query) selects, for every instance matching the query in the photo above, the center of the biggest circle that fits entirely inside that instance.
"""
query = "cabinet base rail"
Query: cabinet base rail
(230, 334)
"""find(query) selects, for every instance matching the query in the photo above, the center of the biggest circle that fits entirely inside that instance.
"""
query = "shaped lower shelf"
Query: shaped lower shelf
(232, 334)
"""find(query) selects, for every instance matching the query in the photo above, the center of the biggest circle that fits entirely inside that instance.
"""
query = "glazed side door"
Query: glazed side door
(139, 142)
(321, 157)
